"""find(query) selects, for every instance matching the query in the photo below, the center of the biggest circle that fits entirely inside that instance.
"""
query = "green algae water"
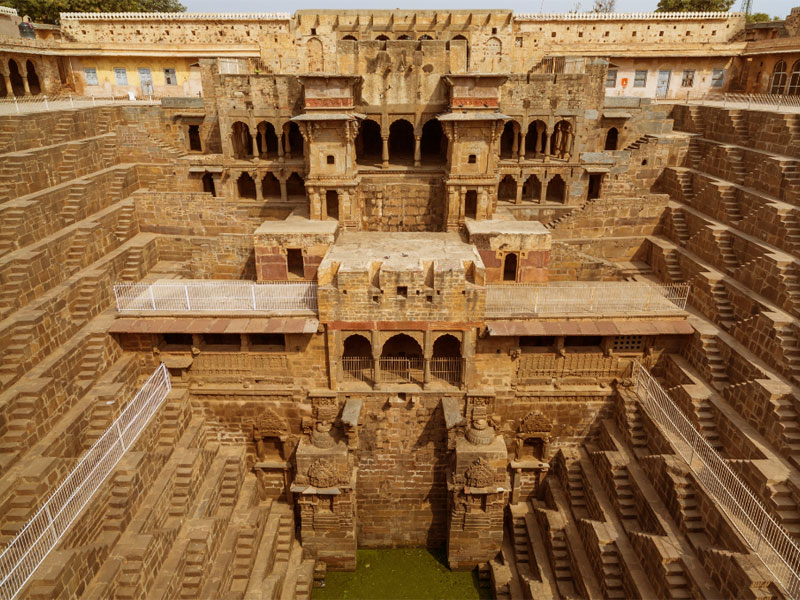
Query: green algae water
(403, 573)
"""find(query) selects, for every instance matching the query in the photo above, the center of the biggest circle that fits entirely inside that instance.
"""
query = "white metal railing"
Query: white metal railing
(43, 102)
(562, 298)
(216, 296)
(23, 555)
(767, 539)
(358, 368)
(773, 102)
(173, 16)
(633, 16)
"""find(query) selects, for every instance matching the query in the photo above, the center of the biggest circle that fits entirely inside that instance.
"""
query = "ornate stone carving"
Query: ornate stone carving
(325, 412)
(535, 422)
(269, 424)
(322, 474)
(479, 475)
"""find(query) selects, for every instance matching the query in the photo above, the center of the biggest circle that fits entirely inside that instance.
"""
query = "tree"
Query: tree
(694, 5)
(603, 6)
(47, 11)
(760, 18)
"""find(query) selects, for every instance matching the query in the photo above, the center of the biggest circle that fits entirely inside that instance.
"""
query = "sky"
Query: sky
(778, 8)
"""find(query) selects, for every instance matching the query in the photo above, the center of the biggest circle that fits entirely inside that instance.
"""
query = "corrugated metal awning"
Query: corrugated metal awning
(589, 327)
(213, 325)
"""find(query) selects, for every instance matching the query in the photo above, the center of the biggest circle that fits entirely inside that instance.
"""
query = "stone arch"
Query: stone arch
(246, 186)
(507, 189)
(461, 37)
(425, 37)
(208, 184)
(33, 79)
(270, 187)
(612, 139)
(794, 80)
(494, 52)
(532, 189)
(3, 90)
(536, 138)
(405, 36)
(295, 186)
(241, 140)
(369, 145)
(357, 345)
(447, 346)
(401, 141)
(17, 86)
(350, 38)
(778, 79)
(382, 38)
(561, 140)
(509, 136)
(266, 140)
(401, 345)
(433, 144)
(556, 190)
(316, 57)
(292, 140)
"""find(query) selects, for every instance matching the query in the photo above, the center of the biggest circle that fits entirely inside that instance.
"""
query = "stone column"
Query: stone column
(522, 147)
(259, 188)
(519, 193)
(543, 190)
(468, 353)
(385, 151)
(483, 205)
(427, 351)
(515, 143)
(287, 150)
(284, 196)
(253, 141)
(9, 89)
(417, 151)
(280, 146)
(24, 73)
(376, 358)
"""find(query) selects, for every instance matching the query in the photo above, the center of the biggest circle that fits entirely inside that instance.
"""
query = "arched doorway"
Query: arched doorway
(401, 360)
(794, 80)
(494, 50)
(332, 204)
(246, 187)
(433, 144)
(532, 189)
(295, 188)
(507, 189)
(316, 58)
(241, 140)
(404, 37)
(350, 38)
(208, 184)
(382, 38)
(561, 140)
(33, 79)
(446, 360)
(425, 38)
(612, 138)
(357, 359)
(510, 267)
(369, 145)
(270, 187)
(508, 147)
(266, 140)
(778, 80)
(401, 142)
(471, 204)
(293, 143)
(17, 86)
(556, 190)
(536, 138)
(466, 44)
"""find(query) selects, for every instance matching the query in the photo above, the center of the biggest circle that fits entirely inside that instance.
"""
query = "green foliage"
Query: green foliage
(694, 5)
(760, 18)
(47, 11)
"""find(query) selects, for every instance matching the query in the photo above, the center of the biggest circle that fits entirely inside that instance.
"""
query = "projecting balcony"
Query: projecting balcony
(215, 296)
(590, 299)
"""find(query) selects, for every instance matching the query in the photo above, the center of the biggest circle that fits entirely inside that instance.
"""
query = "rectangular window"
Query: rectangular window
(628, 343)
(611, 78)
(717, 77)
(688, 79)
(272, 341)
(121, 76)
(640, 79)
(169, 77)
(91, 76)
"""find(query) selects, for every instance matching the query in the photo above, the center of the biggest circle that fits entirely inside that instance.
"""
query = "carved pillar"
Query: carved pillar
(515, 142)
(280, 146)
(253, 141)
(543, 190)
(259, 187)
(376, 358)
(385, 150)
(284, 196)
(427, 352)
(468, 354)
(522, 147)
(417, 151)
(483, 211)
(24, 73)
(287, 150)
(9, 89)
(519, 193)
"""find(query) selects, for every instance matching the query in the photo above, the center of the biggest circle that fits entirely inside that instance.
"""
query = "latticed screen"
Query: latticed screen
(628, 343)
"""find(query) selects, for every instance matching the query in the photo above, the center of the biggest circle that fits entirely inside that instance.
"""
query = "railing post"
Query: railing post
(52, 525)
(186, 292)
(152, 297)
(253, 294)
(16, 104)
(46, 106)
(761, 532)
(71, 103)
(93, 102)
